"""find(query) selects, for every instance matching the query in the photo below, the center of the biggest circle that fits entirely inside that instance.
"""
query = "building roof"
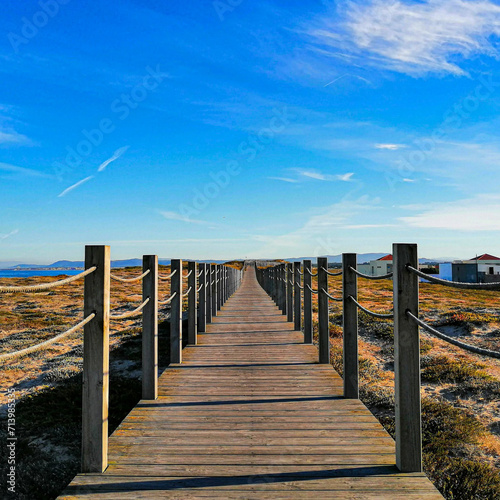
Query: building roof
(388, 257)
(485, 256)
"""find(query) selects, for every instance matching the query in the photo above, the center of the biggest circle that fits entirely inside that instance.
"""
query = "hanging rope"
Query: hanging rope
(371, 313)
(442, 336)
(130, 280)
(454, 284)
(46, 286)
(330, 273)
(36, 347)
(164, 278)
(130, 314)
(330, 296)
(164, 302)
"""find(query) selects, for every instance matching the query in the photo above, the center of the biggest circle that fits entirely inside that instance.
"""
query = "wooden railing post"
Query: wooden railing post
(213, 284)
(208, 288)
(350, 326)
(323, 320)
(297, 297)
(192, 304)
(289, 292)
(308, 317)
(282, 285)
(219, 286)
(176, 312)
(150, 328)
(96, 361)
(407, 361)
(202, 300)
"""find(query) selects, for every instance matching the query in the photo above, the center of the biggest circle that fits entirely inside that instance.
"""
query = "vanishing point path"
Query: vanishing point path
(251, 414)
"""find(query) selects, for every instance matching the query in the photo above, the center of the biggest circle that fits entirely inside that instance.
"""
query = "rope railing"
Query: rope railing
(331, 273)
(46, 286)
(198, 290)
(454, 284)
(165, 278)
(44, 344)
(299, 285)
(186, 293)
(311, 290)
(336, 299)
(451, 340)
(130, 280)
(370, 277)
(130, 314)
(167, 301)
(311, 273)
(371, 313)
(189, 273)
(199, 274)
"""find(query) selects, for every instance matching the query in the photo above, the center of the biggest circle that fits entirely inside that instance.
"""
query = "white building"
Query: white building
(377, 267)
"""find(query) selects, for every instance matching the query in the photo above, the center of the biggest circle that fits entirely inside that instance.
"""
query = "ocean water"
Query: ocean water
(11, 273)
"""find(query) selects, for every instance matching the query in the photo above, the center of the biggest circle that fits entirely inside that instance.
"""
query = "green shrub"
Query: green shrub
(442, 368)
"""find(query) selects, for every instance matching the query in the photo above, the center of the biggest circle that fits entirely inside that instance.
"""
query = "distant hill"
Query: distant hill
(78, 264)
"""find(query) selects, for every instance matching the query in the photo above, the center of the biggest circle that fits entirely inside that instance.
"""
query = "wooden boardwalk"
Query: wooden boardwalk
(250, 414)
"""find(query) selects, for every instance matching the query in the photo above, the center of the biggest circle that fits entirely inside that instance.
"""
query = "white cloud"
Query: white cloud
(26, 172)
(13, 137)
(283, 179)
(176, 216)
(115, 156)
(74, 186)
(473, 214)
(391, 147)
(8, 235)
(415, 38)
(327, 177)
(321, 229)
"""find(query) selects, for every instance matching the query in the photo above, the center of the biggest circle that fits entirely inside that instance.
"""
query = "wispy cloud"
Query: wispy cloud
(8, 235)
(474, 214)
(177, 216)
(391, 147)
(27, 172)
(283, 179)
(115, 156)
(327, 177)
(14, 138)
(415, 38)
(74, 186)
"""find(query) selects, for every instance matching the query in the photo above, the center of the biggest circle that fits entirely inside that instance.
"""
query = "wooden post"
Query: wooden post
(95, 392)
(323, 320)
(289, 292)
(350, 326)
(208, 288)
(202, 309)
(150, 328)
(219, 286)
(308, 318)
(407, 361)
(278, 287)
(176, 312)
(213, 267)
(192, 304)
(297, 297)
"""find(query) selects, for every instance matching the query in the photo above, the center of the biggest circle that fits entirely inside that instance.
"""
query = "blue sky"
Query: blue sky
(249, 129)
